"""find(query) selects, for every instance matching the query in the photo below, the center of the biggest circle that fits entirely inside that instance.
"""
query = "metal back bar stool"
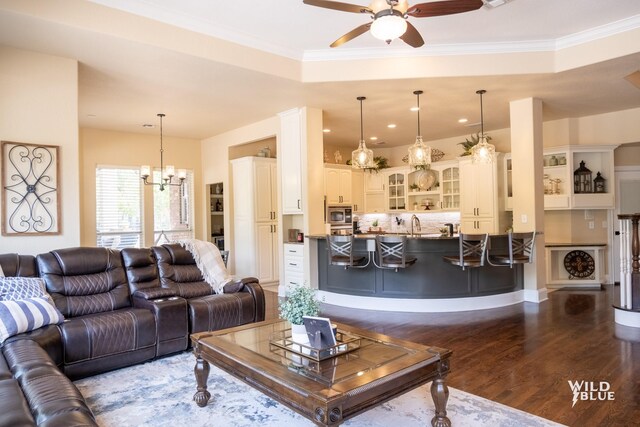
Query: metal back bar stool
(472, 251)
(340, 251)
(521, 250)
(391, 252)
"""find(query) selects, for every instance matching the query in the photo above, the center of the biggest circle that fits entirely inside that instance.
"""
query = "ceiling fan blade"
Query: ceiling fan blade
(439, 8)
(344, 7)
(412, 37)
(352, 34)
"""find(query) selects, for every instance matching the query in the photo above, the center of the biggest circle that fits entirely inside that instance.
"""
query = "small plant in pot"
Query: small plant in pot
(300, 301)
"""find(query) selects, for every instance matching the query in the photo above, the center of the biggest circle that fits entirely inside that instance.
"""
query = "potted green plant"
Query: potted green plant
(414, 187)
(300, 301)
(468, 144)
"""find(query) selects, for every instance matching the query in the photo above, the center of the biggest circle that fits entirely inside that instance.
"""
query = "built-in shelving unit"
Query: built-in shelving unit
(560, 163)
(216, 210)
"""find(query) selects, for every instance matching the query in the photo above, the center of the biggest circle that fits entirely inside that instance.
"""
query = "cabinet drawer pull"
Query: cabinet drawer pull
(293, 264)
(298, 203)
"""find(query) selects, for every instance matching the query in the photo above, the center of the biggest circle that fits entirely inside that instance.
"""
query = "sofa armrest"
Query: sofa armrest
(154, 293)
(172, 324)
(252, 286)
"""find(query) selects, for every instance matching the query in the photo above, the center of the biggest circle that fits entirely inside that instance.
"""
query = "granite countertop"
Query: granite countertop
(425, 236)
(562, 245)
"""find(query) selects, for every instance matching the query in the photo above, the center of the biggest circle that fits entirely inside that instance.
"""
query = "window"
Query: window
(173, 211)
(118, 207)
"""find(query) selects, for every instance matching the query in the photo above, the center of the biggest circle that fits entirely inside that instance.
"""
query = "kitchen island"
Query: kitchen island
(430, 285)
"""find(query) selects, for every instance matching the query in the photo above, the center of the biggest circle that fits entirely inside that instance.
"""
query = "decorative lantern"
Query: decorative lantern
(599, 184)
(582, 179)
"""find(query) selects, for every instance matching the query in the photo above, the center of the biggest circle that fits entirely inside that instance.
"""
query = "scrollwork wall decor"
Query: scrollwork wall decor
(30, 189)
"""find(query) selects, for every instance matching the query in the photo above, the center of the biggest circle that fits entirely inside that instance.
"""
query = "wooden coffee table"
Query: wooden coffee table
(377, 369)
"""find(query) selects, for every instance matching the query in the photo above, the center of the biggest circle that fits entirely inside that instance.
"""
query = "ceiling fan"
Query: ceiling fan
(390, 17)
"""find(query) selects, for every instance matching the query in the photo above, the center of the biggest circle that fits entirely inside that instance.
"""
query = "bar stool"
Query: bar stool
(392, 252)
(521, 250)
(340, 250)
(472, 251)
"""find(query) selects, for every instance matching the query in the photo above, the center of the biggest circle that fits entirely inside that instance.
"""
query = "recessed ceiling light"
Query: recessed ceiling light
(414, 108)
(374, 138)
(391, 126)
(379, 143)
(463, 120)
(326, 130)
(91, 116)
(148, 125)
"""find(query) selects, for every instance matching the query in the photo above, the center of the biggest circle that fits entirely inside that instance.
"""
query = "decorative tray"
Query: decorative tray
(345, 344)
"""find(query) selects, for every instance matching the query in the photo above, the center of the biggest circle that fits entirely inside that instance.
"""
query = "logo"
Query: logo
(591, 390)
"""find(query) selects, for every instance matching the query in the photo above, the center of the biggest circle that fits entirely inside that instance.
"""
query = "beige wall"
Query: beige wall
(627, 155)
(252, 148)
(39, 105)
(102, 147)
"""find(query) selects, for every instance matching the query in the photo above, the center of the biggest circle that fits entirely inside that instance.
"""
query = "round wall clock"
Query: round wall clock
(579, 265)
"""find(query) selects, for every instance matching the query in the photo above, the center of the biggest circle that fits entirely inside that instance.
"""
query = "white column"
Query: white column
(528, 188)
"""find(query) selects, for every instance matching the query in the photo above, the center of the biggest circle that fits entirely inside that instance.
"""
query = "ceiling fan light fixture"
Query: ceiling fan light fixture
(388, 27)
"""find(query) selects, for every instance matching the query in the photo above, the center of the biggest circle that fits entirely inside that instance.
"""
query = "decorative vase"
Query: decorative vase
(299, 334)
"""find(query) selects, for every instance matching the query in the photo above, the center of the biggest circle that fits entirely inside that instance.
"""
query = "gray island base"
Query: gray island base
(430, 285)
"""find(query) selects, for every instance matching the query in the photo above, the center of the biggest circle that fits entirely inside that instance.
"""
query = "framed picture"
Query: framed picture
(30, 189)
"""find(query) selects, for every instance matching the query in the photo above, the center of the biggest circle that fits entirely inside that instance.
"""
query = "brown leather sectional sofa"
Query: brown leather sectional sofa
(121, 308)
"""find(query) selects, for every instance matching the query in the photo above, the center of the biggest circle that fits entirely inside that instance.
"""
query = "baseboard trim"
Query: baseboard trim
(440, 305)
(627, 318)
(536, 295)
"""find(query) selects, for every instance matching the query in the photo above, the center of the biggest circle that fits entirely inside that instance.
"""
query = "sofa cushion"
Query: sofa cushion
(104, 334)
(19, 288)
(26, 315)
(1, 272)
(85, 280)
(13, 264)
(220, 311)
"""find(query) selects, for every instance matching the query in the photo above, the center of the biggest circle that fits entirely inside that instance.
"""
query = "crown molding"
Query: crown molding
(169, 16)
(596, 33)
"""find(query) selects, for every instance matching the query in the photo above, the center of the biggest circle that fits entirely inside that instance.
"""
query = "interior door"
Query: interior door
(627, 201)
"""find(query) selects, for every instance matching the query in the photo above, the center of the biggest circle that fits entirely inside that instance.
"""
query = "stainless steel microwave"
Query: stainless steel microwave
(339, 215)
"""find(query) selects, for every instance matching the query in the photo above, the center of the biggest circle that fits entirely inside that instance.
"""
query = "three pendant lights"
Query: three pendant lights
(419, 152)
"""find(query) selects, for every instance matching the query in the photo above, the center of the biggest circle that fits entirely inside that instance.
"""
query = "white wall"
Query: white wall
(39, 105)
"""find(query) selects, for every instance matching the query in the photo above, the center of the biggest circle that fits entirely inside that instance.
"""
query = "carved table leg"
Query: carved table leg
(440, 395)
(201, 370)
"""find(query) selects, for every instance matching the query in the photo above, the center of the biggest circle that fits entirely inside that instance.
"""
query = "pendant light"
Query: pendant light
(482, 152)
(166, 174)
(419, 153)
(362, 158)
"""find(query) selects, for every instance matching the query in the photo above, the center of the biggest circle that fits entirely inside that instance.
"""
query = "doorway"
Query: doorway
(627, 182)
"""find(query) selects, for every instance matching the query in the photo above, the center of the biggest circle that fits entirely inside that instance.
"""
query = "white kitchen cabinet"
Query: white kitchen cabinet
(293, 264)
(357, 191)
(290, 154)
(337, 185)
(437, 188)
(255, 218)
(396, 191)
(479, 196)
(374, 198)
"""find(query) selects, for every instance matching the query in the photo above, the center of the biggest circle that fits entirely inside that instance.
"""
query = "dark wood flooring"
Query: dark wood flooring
(524, 355)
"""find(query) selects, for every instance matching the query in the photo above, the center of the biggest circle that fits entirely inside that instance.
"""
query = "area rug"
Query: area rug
(160, 393)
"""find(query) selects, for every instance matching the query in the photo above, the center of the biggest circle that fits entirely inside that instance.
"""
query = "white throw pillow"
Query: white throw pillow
(1, 272)
(26, 315)
(19, 288)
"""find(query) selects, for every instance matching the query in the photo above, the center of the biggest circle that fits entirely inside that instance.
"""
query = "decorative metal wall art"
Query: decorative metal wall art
(30, 189)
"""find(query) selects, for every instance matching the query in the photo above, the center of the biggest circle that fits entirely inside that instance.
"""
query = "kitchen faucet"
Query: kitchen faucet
(415, 220)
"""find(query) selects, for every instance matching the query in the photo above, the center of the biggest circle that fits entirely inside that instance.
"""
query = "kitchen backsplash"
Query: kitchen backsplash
(430, 222)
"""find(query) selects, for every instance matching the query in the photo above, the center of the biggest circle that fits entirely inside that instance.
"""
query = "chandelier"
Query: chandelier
(419, 153)
(166, 174)
(482, 152)
(362, 158)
